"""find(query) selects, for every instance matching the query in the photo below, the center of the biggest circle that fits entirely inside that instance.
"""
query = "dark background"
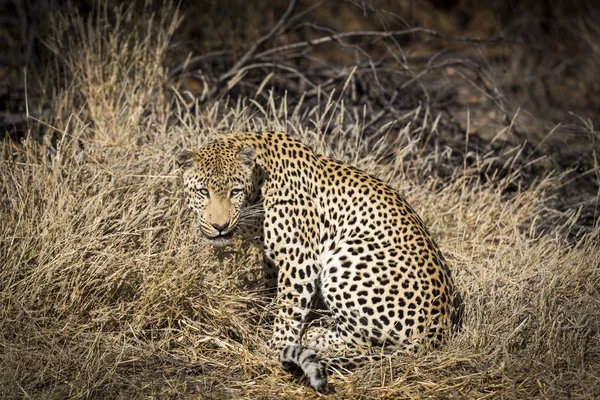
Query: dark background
(482, 66)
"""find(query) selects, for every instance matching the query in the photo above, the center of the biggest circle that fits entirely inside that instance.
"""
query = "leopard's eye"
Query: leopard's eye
(235, 192)
(204, 192)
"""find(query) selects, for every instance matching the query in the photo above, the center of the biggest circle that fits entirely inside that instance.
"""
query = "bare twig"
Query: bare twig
(275, 65)
(384, 111)
(192, 61)
(382, 34)
(446, 63)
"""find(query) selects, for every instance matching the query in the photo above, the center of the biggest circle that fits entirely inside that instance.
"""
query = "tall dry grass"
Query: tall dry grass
(112, 63)
(106, 292)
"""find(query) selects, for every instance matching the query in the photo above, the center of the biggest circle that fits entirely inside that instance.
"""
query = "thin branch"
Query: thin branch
(189, 63)
(279, 66)
(405, 32)
(303, 13)
(383, 112)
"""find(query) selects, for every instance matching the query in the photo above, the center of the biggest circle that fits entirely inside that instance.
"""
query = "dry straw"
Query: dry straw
(106, 291)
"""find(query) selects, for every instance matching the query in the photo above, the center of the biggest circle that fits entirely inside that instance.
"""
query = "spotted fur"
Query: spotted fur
(337, 236)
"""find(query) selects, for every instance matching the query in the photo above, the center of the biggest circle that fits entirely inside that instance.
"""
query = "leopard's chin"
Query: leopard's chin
(219, 242)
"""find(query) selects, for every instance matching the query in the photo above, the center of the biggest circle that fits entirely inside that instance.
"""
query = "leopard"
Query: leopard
(338, 238)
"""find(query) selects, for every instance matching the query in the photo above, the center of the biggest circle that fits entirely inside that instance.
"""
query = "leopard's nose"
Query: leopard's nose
(221, 227)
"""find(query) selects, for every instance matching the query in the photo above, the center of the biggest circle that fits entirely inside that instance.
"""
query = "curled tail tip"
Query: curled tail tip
(295, 356)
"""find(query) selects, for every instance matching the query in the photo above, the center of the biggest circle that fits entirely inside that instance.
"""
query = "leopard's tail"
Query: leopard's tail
(297, 358)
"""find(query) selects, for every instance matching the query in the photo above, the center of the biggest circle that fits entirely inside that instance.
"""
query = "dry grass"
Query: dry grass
(105, 291)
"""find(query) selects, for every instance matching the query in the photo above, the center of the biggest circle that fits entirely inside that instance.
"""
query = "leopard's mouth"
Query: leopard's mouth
(220, 239)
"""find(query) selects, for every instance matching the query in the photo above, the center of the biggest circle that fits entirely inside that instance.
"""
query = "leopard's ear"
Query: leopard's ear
(247, 156)
(185, 159)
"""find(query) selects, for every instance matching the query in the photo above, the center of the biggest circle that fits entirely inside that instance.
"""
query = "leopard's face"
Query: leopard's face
(217, 183)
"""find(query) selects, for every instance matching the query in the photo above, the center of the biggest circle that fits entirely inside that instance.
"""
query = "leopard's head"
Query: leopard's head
(217, 182)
